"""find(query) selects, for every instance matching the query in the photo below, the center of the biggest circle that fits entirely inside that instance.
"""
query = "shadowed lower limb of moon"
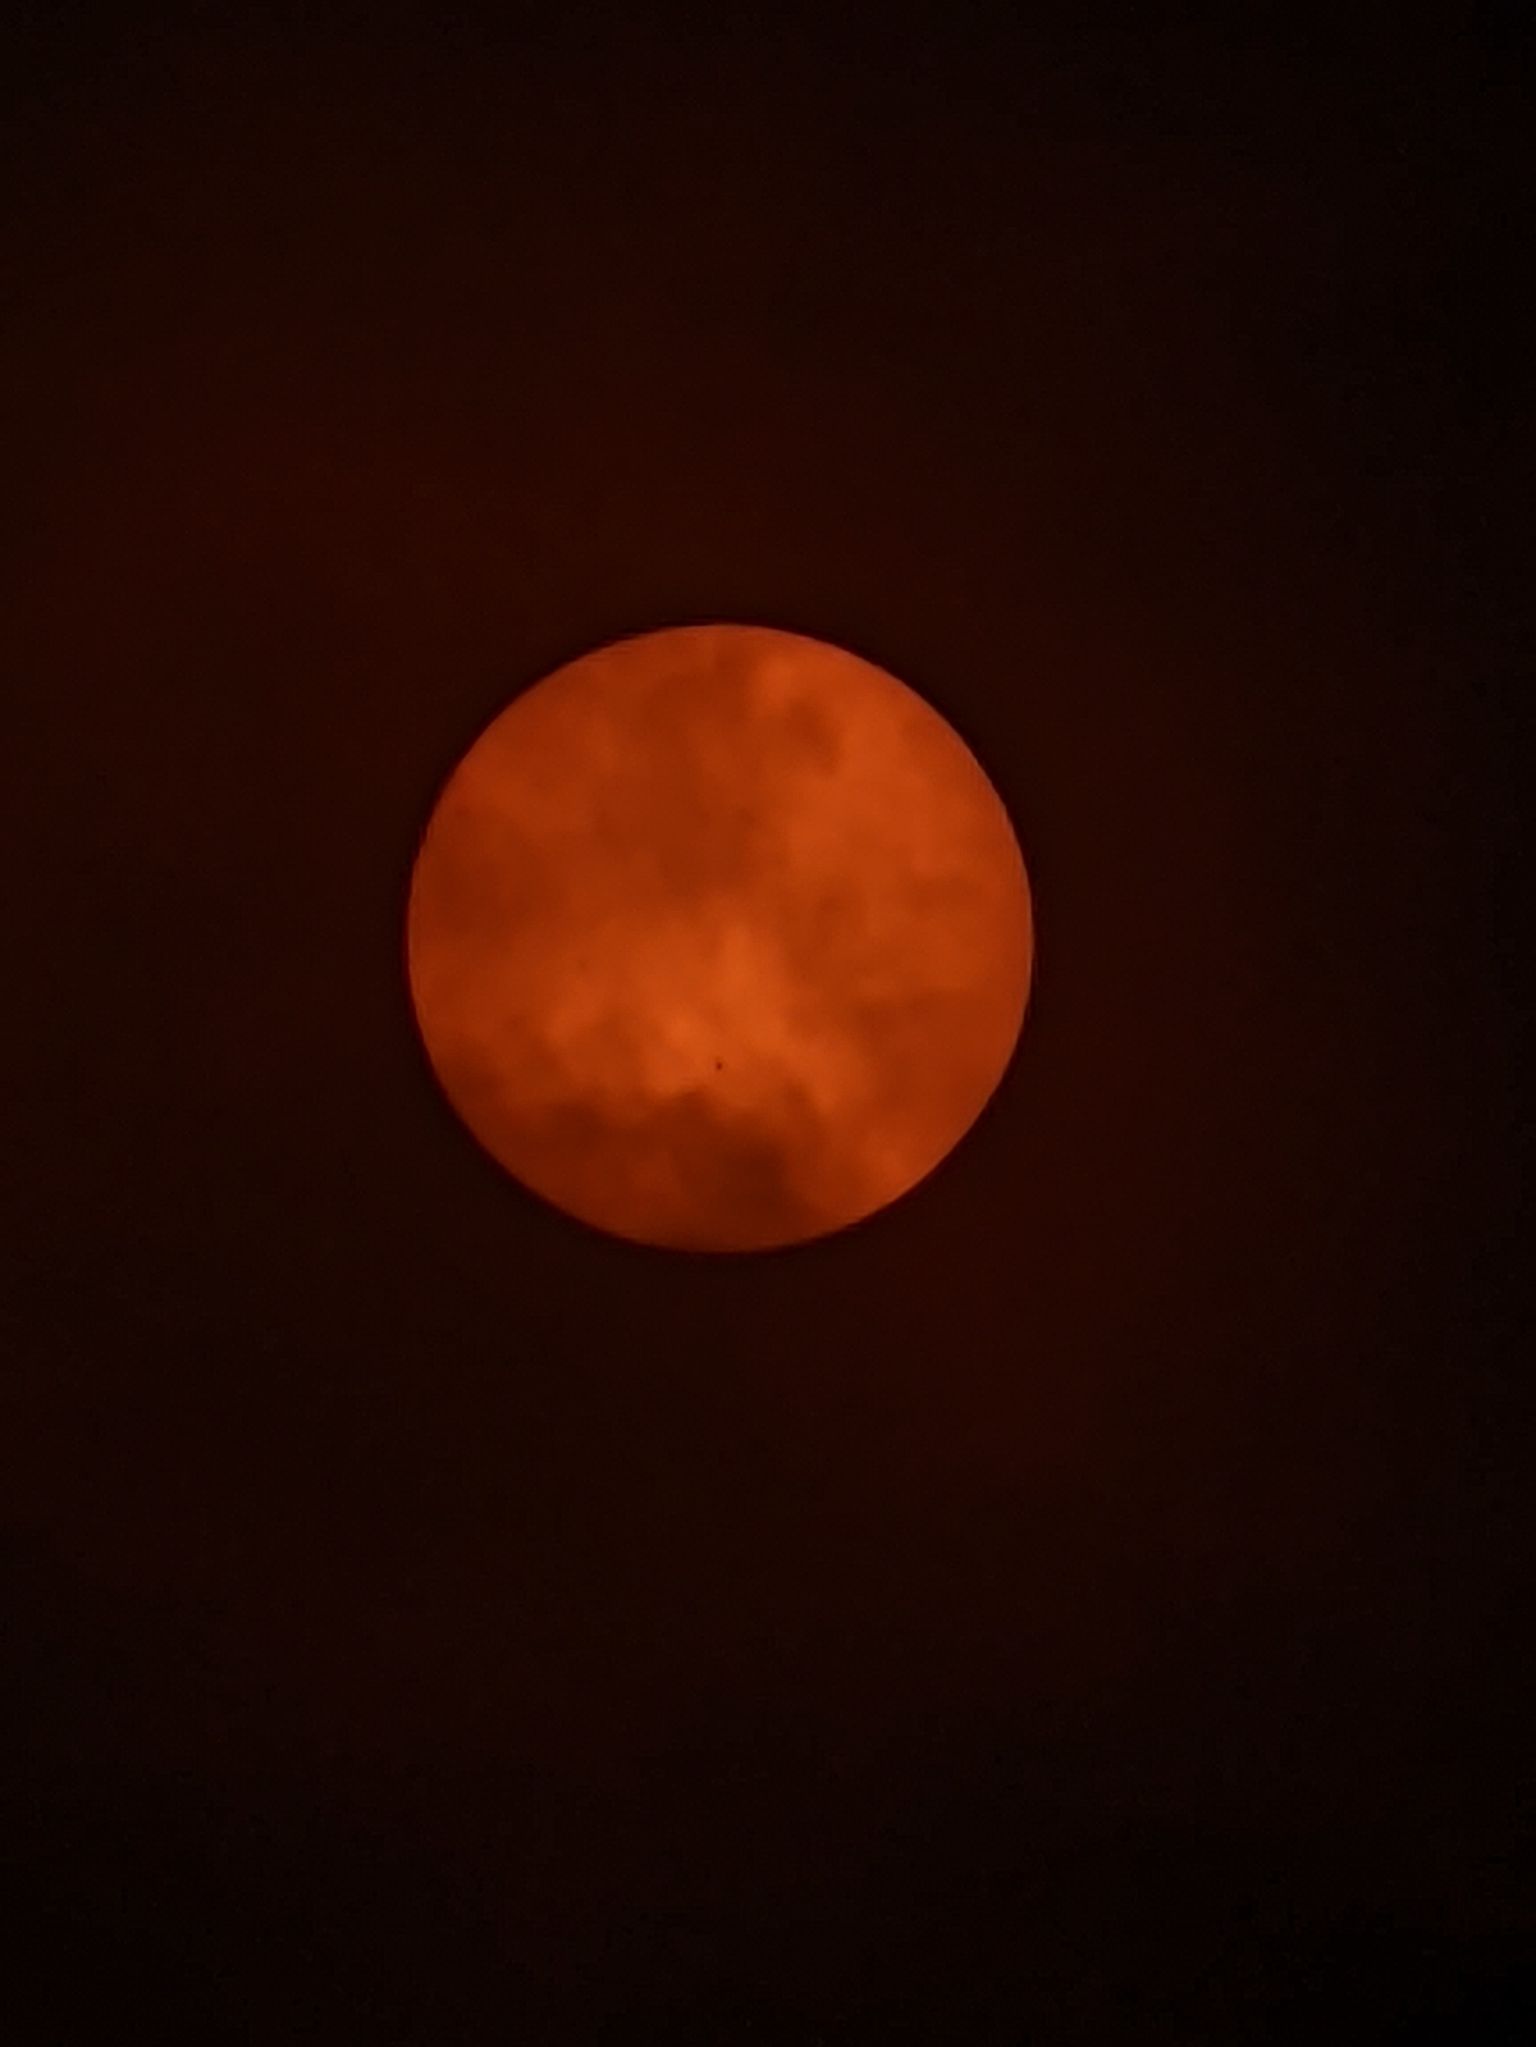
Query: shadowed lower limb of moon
(719, 938)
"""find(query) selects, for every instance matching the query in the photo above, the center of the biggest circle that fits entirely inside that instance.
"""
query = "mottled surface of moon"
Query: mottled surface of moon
(719, 938)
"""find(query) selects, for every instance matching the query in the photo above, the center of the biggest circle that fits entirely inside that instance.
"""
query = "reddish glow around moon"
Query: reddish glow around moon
(719, 938)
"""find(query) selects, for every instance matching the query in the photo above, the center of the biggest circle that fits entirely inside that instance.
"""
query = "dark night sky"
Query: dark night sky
(1078, 1604)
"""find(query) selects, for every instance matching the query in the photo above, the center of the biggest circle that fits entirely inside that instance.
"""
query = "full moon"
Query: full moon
(719, 938)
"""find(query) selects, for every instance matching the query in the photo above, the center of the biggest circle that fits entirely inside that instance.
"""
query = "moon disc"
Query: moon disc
(719, 938)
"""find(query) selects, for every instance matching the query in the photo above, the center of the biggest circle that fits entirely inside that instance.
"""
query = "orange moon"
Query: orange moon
(719, 938)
